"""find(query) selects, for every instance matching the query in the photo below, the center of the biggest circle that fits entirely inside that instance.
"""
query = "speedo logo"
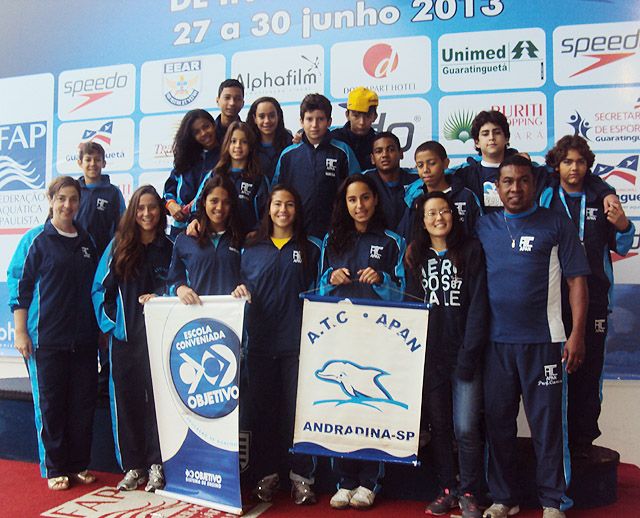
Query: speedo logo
(603, 49)
(92, 89)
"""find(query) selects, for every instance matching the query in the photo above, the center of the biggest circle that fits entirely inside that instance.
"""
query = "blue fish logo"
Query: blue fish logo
(361, 385)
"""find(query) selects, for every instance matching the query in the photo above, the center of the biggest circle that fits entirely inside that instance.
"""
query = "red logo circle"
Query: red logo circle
(381, 60)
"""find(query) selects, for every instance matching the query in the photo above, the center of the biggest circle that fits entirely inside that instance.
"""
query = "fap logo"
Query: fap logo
(204, 361)
(23, 153)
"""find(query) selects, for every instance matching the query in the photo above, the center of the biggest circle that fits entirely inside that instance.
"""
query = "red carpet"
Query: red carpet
(24, 494)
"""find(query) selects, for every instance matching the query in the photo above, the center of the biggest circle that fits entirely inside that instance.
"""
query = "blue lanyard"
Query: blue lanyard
(583, 211)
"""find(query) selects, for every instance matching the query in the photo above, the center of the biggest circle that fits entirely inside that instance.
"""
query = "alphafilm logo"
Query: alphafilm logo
(204, 361)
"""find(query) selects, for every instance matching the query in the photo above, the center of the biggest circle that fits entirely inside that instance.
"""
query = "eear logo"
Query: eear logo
(361, 385)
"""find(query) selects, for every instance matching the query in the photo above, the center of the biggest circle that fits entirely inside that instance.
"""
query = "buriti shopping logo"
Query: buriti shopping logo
(380, 60)
(458, 125)
(181, 80)
(204, 361)
(23, 150)
(361, 385)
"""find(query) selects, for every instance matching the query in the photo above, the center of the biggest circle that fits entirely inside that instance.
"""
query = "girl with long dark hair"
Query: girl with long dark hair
(195, 152)
(209, 262)
(49, 281)
(133, 269)
(277, 264)
(239, 162)
(266, 120)
(360, 259)
(446, 269)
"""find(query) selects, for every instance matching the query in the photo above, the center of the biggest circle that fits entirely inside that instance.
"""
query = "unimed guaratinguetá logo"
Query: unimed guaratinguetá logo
(380, 60)
(204, 362)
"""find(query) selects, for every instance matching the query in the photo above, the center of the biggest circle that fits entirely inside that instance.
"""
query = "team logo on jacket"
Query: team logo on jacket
(551, 376)
(600, 325)
(331, 164)
(374, 252)
(85, 252)
(245, 190)
(204, 360)
(297, 257)
(462, 207)
(592, 213)
(526, 243)
(101, 204)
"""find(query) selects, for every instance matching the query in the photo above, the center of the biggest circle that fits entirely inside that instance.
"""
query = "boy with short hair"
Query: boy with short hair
(600, 232)
(390, 179)
(101, 203)
(230, 100)
(357, 133)
(490, 132)
(316, 166)
(431, 163)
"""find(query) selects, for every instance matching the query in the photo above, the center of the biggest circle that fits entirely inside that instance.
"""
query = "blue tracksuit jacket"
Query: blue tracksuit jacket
(392, 195)
(382, 250)
(116, 302)
(213, 269)
(101, 205)
(316, 173)
(50, 276)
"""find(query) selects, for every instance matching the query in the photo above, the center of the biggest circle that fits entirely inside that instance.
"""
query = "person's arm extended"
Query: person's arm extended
(22, 339)
(573, 354)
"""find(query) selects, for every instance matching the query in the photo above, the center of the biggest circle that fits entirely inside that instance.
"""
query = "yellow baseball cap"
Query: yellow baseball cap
(361, 99)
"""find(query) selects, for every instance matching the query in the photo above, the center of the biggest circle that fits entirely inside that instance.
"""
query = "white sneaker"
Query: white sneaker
(500, 511)
(363, 498)
(133, 479)
(342, 498)
(156, 478)
(552, 512)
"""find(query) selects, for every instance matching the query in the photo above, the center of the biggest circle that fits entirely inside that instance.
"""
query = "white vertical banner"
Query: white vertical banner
(360, 379)
(194, 353)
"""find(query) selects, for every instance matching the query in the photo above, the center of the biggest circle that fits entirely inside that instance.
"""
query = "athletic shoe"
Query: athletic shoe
(362, 498)
(156, 478)
(84, 477)
(133, 479)
(302, 493)
(469, 506)
(266, 487)
(443, 503)
(342, 498)
(552, 512)
(500, 511)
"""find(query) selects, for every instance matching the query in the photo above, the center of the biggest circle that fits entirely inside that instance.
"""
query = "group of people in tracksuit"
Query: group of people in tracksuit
(496, 247)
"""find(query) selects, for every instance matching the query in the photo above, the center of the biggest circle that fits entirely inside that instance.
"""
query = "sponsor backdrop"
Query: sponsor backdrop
(360, 402)
(123, 73)
(195, 371)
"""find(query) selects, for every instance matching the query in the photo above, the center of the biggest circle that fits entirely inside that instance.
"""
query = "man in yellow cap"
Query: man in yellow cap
(361, 113)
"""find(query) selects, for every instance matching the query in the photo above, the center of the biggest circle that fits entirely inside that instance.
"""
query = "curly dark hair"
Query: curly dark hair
(484, 117)
(559, 152)
(253, 171)
(128, 250)
(421, 242)
(282, 137)
(186, 151)
(343, 229)
(232, 223)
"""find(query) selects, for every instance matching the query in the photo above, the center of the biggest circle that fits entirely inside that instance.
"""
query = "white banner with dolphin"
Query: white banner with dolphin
(360, 379)
(194, 353)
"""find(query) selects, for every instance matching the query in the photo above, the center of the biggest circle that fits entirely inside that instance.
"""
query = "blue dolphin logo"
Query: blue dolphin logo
(361, 384)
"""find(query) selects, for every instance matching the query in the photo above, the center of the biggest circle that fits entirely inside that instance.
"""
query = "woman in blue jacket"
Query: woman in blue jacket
(208, 263)
(49, 281)
(278, 263)
(195, 152)
(446, 269)
(360, 259)
(132, 270)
